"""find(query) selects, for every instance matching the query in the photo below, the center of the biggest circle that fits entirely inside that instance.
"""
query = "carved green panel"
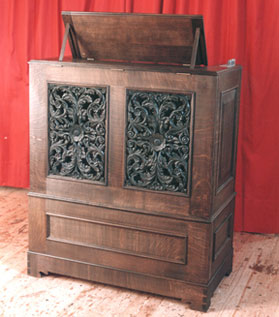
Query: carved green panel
(158, 140)
(77, 131)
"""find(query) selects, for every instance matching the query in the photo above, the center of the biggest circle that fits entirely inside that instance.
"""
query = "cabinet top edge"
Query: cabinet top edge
(178, 69)
(189, 16)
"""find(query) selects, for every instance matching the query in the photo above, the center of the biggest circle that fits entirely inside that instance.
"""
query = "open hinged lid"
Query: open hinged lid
(155, 38)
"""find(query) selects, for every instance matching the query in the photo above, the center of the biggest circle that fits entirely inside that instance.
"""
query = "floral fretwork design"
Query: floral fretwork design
(158, 140)
(77, 131)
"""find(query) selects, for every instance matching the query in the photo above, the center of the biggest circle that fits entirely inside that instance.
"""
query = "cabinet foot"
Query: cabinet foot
(229, 270)
(33, 268)
(200, 304)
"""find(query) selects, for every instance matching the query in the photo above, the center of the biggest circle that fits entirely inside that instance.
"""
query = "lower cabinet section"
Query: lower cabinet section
(172, 257)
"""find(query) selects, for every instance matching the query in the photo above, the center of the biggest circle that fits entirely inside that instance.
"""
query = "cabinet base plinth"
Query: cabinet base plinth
(197, 296)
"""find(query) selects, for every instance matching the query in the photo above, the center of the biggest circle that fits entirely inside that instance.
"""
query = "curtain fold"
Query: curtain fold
(246, 30)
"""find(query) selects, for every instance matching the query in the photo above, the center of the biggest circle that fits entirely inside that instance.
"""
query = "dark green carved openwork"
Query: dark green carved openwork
(158, 140)
(77, 131)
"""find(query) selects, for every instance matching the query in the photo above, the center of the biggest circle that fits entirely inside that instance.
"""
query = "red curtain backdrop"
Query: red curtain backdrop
(247, 30)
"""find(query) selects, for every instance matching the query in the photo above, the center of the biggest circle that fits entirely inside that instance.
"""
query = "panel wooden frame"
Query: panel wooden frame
(221, 183)
(106, 236)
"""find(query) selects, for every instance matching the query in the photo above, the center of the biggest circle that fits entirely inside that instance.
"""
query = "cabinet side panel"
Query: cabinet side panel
(203, 144)
(222, 236)
(226, 156)
(37, 225)
(226, 131)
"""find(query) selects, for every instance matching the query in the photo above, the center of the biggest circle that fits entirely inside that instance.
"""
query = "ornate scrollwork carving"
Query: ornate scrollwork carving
(158, 140)
(77, 131)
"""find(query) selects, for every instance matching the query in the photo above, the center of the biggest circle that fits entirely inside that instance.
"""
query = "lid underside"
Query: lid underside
(154, 38)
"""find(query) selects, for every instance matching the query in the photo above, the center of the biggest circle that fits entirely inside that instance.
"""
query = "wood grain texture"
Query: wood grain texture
(134, 241)
(185, 256)
(135, 37)
(224, 164)
(115, 196)
(228, 129)
(252, 289)
(190, 241)
(162, 221)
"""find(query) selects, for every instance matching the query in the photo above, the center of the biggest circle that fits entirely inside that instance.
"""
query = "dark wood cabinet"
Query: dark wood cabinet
(133, 150)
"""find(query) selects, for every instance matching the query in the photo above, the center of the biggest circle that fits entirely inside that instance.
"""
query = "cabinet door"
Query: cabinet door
(158, 141)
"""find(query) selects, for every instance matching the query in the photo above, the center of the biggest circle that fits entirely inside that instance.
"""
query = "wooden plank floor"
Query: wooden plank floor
(252, 289)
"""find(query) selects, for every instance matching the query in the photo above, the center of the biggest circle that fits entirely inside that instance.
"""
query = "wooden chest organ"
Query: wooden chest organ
(133, 150)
